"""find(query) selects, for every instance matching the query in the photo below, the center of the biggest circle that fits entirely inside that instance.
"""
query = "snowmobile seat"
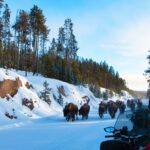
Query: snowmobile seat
(115, 145)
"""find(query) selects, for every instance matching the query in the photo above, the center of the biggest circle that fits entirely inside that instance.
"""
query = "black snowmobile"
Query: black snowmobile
(131, 131)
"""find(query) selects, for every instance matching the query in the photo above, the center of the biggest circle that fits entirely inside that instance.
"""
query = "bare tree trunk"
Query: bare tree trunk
(25, 55)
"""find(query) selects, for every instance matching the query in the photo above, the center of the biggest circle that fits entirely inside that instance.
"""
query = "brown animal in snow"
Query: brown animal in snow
(121, 105)
(71, 112)
(102, 109)
(112, 108)
(131, 104)
(84, 111)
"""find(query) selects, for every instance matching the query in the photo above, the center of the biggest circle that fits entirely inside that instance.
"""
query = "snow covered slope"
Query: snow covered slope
(68, 92)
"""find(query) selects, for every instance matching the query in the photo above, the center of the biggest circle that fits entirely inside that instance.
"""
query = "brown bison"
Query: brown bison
(84, 111)
(102, 109)
(121, 105)
(139, 103)
(112, 108)
(71, 112)
(128, 103)
(131, 104)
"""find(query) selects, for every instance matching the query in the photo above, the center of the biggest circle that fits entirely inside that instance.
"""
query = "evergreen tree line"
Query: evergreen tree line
(84, 72)
(147, 74)
(24, 46)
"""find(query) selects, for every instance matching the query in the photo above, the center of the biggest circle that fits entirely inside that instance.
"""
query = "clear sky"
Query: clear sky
(117, 31)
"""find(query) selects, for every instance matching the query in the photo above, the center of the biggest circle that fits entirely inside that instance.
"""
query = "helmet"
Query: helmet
(141, 119)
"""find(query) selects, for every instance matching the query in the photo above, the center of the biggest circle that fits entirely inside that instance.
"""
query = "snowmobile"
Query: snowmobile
(130, 132)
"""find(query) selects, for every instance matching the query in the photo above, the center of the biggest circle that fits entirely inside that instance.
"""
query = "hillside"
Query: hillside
(139, 94)
(26, 104)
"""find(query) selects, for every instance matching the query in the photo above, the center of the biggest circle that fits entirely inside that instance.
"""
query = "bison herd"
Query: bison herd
(71, 110)
(111, 107)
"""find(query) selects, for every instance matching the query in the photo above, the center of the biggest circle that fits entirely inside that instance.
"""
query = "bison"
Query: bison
(84, 111)
(131, 104)
(112, 108)
(121, 105)
(71, 112)
(128, 103)
(139, 103)
(102, 109)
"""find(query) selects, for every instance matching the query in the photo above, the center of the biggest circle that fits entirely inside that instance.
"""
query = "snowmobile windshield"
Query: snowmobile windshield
(124, 120)
(137, 121)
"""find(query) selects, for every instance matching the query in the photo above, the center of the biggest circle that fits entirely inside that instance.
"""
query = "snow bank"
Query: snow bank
(70, 93)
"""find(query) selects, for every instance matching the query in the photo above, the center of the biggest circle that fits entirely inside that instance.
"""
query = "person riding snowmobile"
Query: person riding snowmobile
(131, 131)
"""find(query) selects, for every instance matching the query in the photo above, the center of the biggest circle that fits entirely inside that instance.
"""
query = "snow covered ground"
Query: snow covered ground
(54, 133)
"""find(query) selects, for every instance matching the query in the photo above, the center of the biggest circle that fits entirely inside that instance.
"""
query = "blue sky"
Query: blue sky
(117, 31)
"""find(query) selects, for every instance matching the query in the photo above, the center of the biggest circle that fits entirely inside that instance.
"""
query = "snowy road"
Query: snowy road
(54, 133)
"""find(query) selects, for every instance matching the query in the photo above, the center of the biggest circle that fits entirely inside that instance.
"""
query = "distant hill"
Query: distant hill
(139, 94)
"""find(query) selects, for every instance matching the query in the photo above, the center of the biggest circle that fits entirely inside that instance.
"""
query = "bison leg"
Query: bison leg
(76, 117)
(86, 117)
(67, 118)
(73, 117)
(101, 115)
(113, 116)
(82, 117)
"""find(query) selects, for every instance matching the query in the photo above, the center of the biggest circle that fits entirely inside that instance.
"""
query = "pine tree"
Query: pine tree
(147, 74)
(53, 48)
(14, 54)
(1, 3)
(60, 43)
(111, 94)
(96, 91)
(60, 100)
(6, 35)
(25, 29)
(75, 72)
(22, 30)
(1, 36)
(38, 28)
(17, 38)
(44, 37)
(45, 94)
(70, 40)
(147, 71)
(105, 95)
